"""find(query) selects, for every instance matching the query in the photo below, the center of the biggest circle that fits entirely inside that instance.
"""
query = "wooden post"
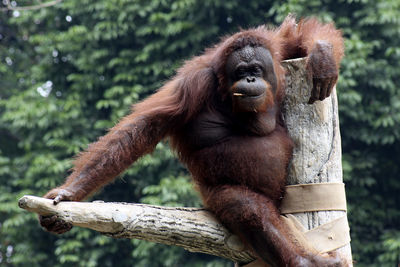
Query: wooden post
(314, 129)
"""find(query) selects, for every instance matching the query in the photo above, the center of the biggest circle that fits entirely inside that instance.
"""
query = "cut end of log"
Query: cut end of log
(23, 202)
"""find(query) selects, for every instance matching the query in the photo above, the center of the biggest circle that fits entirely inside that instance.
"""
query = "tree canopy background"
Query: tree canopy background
(70, 71)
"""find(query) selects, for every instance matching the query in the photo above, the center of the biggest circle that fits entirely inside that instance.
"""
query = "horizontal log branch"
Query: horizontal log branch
(194, 229)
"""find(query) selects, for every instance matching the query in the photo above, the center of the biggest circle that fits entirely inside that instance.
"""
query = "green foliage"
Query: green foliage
(171, 191)
(69, 72)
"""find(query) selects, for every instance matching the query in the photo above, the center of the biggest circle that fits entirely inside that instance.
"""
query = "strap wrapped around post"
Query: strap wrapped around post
(321, 239)
(314, 197)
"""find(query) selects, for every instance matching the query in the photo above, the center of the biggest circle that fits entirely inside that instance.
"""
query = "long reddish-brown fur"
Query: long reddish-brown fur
(230, 184)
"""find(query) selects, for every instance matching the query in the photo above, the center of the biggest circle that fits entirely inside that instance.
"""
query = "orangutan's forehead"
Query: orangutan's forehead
(246, 54)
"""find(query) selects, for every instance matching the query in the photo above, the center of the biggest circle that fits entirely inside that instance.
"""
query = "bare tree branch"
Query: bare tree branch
(193, 229)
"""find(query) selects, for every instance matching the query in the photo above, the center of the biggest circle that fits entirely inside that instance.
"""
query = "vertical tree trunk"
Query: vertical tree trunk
(314, 128)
